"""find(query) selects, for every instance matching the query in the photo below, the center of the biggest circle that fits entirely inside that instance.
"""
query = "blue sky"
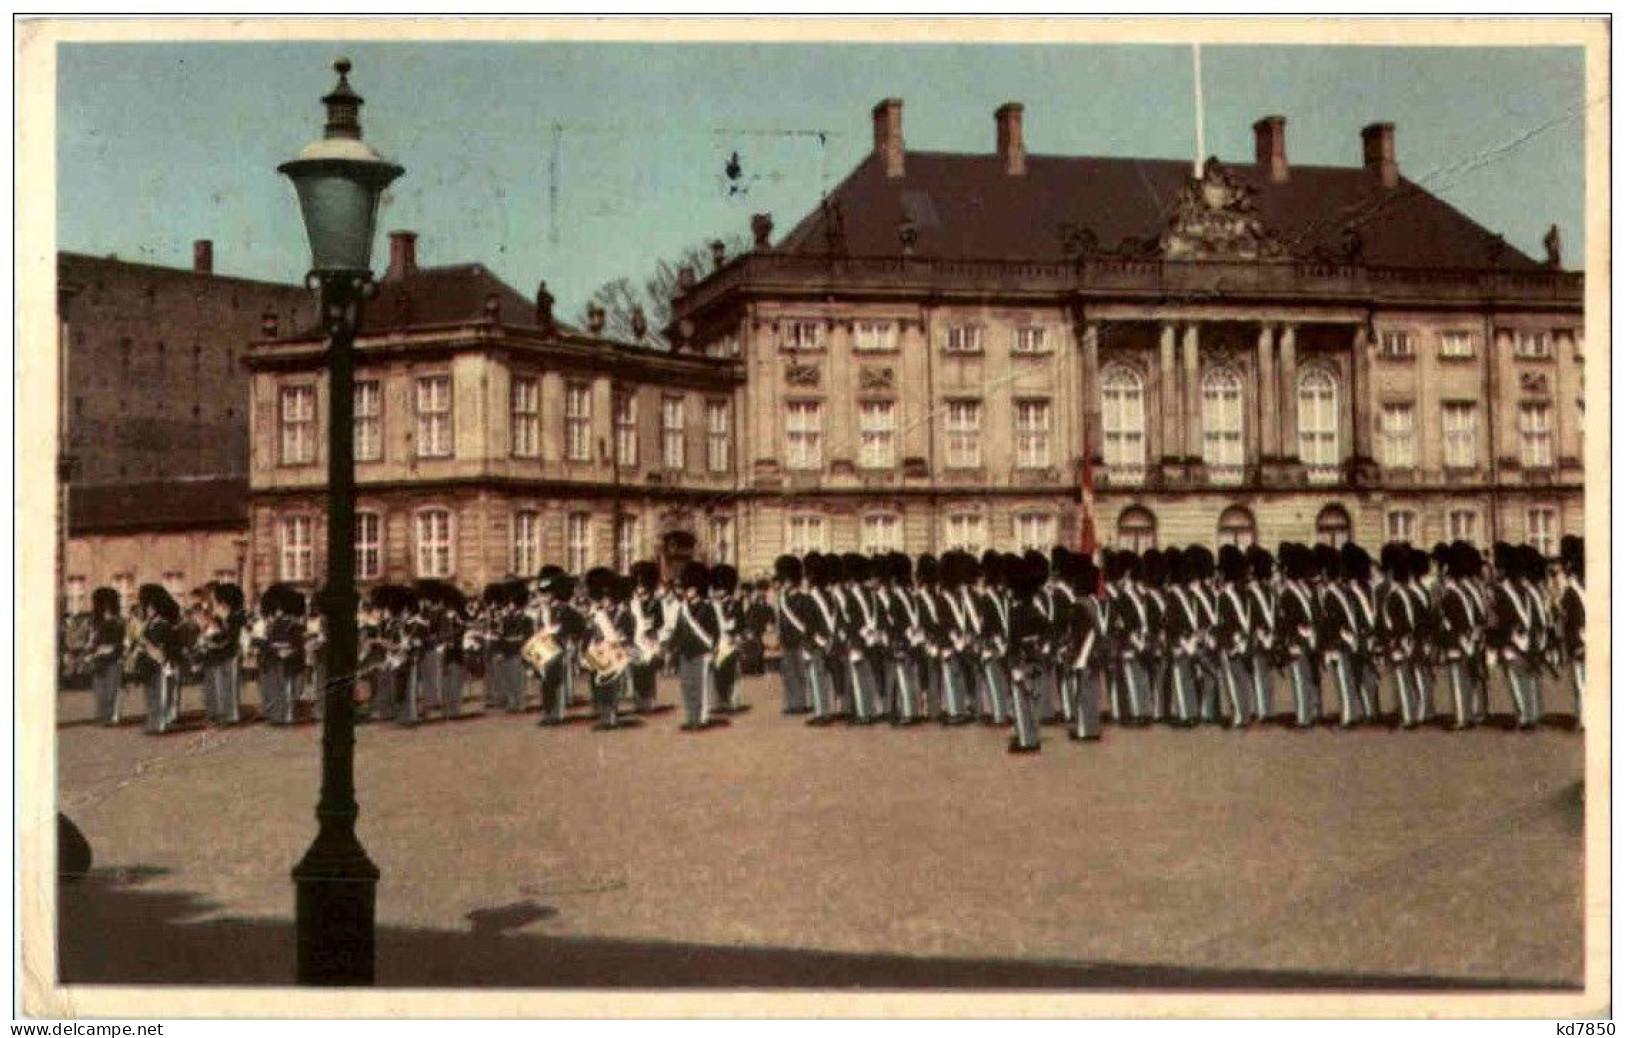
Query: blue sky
(159, 144)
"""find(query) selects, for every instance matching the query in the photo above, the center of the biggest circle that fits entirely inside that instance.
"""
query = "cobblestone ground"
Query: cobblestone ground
(770, 853)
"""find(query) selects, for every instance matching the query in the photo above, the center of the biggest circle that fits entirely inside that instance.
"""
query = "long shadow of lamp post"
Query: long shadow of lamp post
(339, 180)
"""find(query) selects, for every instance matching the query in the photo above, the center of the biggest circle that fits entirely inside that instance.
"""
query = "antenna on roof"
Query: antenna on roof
(1196, 75)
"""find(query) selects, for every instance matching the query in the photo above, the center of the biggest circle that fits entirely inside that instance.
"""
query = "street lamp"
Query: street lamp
(339, 180)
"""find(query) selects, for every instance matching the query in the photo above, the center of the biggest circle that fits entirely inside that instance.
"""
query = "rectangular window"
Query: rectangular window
(175, 583)
(804, 434)
(1462, 524)
(802, 335)
(434, 545)
(298, 414)
(296, 544)
(124, 584)
(578, 421)
(877, 434)
(672, 441)
(1397, 343)
(1032, 434)
(369, 415)
(965, 338)
(369, 546)
(1399, 436)
(527, 540)
(626, 540)
(1028, 340)
(874, 336)
(626, 429)
(1035, 531)
(225, 576)
(720, 534)
(526, 401)
(577, 542)
(966, 532)
(75, 600)
(434, 416)
(1122, 416)
(1402, 525)
(1541, 529)
(963, 422)
(1456, 344)
(1535, 434)
(805, 533)
(718, 436)
(881, 533)
(1533, 345)
(1460, 435)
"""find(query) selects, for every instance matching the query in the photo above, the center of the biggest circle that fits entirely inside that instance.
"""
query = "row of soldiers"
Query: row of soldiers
(1175, 635)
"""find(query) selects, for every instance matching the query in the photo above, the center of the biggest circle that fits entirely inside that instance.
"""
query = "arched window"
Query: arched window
(1236, 527)
(1332, 526)
(1136, 529)
(1122, 419)
(1317, 424)
(1222, 425)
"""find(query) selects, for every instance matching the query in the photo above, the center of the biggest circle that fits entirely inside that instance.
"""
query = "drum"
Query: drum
(725, 649)
(606, 660)
(540, 650)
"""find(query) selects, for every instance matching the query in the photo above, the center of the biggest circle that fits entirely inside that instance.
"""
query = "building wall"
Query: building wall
(181, 559)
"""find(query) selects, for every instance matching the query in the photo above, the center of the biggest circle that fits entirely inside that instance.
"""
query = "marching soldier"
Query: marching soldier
(731, 622)
(933, 628)
(1029, 652)
(1339, 634)
(1399, 630)
(1514, 631)
(1232, 633)
(957, 642)
(1199, 569)
(1363, 659)
(794, 633)
(107, 654)
(993, 617)
(1181, 634)
(220, 643)
(1087, 651)
(607, 638)
(454, 656)
(551, 616)
(157, 648)
(510, 629)
(907, 644)
(1297, 626)
(1571, 619)
(692, 641)
(1456, 630)
(821, 649)
(859, 630)
(281, 651)
(1261, 599)
(1129, 637)
(648, 619)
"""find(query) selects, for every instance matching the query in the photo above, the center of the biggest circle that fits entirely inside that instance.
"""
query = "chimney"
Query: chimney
(889, 135)
(403, 255)
(1012, 150)
(268, 325)
(1379, 152)
(544, 310)
(203, 257)
(1269, 146)
(719, 253)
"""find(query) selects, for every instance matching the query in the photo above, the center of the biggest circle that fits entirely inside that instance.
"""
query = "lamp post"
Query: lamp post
(339, 181)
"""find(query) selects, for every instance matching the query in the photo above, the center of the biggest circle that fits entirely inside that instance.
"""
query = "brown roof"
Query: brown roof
(966, 207)
(157, 505)
(450, 295)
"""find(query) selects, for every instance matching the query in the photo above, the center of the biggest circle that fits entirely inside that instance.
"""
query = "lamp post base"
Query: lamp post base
(336, 888)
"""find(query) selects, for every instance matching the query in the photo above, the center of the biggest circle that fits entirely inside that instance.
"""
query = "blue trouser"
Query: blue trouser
(605, 693)
(1305, 692)
(793, 676)
(1422, 685)
(276, 690)
(726, 675)
(1236, 674)
(997, 680)
(1525, 686)
(1340, 663)
(1406, 692)
(1263, 698)
(555, 697)
(1209, 683)
(107, 680)
(453, 678)
(1368, 685)
(695, 675)
(1182, 697)
(643, 683)
(160, 689)
(954, 688)
(1085, 685)
(431, 681)
(1131, 691)
(815, 664)
(860, 680)
(1023, 692)
(903, 675)
(220, 691)
(406, 677)
(1577, 674)
(1159, 674)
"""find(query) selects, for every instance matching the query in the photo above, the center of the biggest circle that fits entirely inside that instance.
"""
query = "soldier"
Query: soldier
(549, 617)
(648, 620)
(1064, 627)
(993, 616)
(1571, 619)
(1129, 636)
(731, 622)
(1297, 623)
(1261, 598)
(1205, 663)
(1514, 632)
(107, 654)
(957, 642)
(453, 634)
(927, 569)
(1339, 635)
(758, 617)
(907, 643)
(794, 632)
(1363, 658)
(1029, 651)
(1045, 684)
(510, 630)
(1457, 628)
(692, 641)
(281, 651)
(1156, 596)
(1232, 633)
(859, 633)
(221, 647)
(1087, 651)
(1398, 629)
(1181, 634)
(822, 632)
(158, 652)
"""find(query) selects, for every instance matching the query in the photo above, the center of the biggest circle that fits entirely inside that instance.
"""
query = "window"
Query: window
(577, 542)
(672, 453)
(877, 434)
(874, 336)
(1122, 419)
(175, 583)
(1462, 525)
(526, 408)
(578, 421)
(964, 425)
(124, 584)
(1032, 434)
(1317, 425)
(1533, 345)
(296, 539)
(1399, 436)
(1136, 529)
(1221, 425)
(1332, 526)
(805, 533)
(369, 413)
(369, 545)
(1397, 343)
(1540, 529)
(1402, 525)
(626, 540)
(966, 532)
(626, 429)
(1028, 340)
(434, 416)
(74, 599)
(1035, 530)
(965, 338)
(880, 533)
(1456, 344)
(802, 335)
(527, 537)
(1460, 435)
(1535, 434)
(1236, 527)
(434, 547)
(718, 436)
(720, 534)
(804, 434)
(298, 409)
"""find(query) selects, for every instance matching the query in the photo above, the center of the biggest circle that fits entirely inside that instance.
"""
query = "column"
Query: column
(1289, 393)
(1360, 392)
(1093, 433)
(1193, 393)
(1268, 409)
(1168, 393)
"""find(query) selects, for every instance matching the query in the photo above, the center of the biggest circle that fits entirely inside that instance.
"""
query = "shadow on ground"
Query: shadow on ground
(112, 931)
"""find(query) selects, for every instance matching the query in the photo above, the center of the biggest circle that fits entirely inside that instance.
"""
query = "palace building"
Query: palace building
(975, 350)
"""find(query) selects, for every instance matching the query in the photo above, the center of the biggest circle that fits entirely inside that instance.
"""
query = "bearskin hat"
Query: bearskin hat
(1232, 564)
(1534, 563)
(1506, 561)
(495, 593)
(1328, 561)
(854, 567)
(1039, 563)
(1356, 562)
(992, 567)
(1394, 560)
(926, 569)
(899, 569)
(1572, 550)
(1419, 562)
(646, 574)
(1025, 576)
(725, 579)
(1085, 576)
(227, 594)
(695, 577)
(1199, 562)
(1158, 567)
(600, 583)
(950, 571)
(787, 568)
(1261, 561)
(104, 600)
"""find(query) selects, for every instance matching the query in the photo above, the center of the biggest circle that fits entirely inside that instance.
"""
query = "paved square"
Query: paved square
(772, 854)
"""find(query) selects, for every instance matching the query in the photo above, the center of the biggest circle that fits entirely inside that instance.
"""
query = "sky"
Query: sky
(579, 163)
